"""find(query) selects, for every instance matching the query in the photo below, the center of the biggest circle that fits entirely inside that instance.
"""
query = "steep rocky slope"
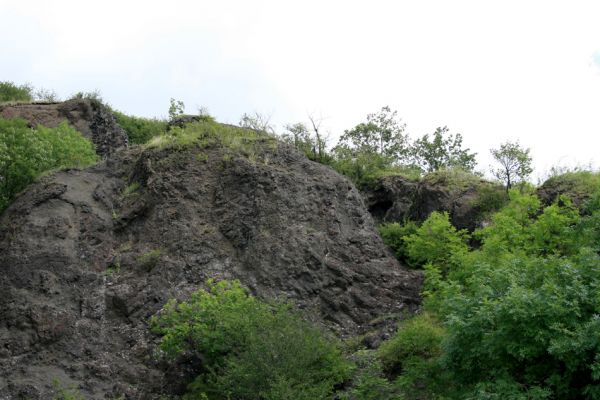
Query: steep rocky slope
(87, 257)
(91, 118)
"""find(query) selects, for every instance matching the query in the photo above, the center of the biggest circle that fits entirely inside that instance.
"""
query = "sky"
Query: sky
(493, 71)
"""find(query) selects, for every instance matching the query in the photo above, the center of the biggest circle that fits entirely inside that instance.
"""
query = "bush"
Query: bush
(27, 153)
(249, 349)
(436, 242)
(393, 235)
(11, 92)
(419, 337)
(413, 356)
(140, 130)
(453, 178)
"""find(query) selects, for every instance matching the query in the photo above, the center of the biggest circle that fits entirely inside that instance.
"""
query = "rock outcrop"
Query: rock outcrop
(87, 257)
(396, 199)
(94, 120)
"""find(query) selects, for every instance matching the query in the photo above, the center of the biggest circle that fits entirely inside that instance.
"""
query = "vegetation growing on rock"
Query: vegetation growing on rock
(26, 153)
(249, 350)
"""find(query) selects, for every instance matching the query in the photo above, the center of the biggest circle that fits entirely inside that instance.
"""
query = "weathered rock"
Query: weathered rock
(91, 118)
(579, 187)
(84, 264)
(396, 199)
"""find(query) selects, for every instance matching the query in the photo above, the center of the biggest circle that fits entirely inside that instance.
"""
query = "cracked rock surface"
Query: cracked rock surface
(87, 257)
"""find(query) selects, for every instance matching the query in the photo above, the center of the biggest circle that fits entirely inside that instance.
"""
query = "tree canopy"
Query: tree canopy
(442, 150)
(515, 163)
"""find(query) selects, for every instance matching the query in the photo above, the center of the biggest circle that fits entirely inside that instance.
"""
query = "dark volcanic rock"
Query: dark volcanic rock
(91, 118)
(84, 263)
(396, 199)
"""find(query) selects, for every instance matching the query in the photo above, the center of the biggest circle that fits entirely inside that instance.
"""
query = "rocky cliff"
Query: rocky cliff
(87, 257)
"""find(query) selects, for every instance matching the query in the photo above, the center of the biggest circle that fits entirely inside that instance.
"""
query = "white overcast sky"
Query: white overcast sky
(491, 70)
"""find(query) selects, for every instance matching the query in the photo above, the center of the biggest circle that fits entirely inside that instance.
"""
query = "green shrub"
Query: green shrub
(27, 153)
(453, 178)
(419, 337)
(249, 349)
(150, 259)
(490, 198)
(436, 242)
(140, 130)
(368, 381)
(393, 235)
(578, 185)
(11, 92)
(413, 355)
(365, 168)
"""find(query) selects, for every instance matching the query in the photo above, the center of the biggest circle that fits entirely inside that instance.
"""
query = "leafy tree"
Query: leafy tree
(515, 163)
(373, 148)
(11, 92)
(382, 134)
(176, 108)
(312, 144)
(443, 150)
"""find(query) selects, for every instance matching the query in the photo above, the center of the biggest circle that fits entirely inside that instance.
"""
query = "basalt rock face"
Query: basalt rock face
(87, 257)
(91, 118)
(396, 199)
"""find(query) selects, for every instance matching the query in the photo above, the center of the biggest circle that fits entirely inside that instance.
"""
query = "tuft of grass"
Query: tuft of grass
(66, 393)
(131, 189)
(150, 259)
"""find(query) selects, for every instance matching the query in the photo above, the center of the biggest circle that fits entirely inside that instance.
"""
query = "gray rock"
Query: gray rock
(83, 266)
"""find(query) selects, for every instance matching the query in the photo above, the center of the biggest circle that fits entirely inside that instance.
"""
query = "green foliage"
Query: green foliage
(368, 382)
(577, 185)
(361, 167)
(313, 145)
(454, 178)
(436, 242)
(94, 96)
(131, 189)
(490, 198)
(382, 134)
(419, 337)
(393, 235)
(11, 92)
(26, 153)
(249, 349)
(66, 393)
(372, 149)
(443, 150)
(140, 130)
(150, 259)
(515, 163)
(521, 312)
(207, 133)
(176, 108)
